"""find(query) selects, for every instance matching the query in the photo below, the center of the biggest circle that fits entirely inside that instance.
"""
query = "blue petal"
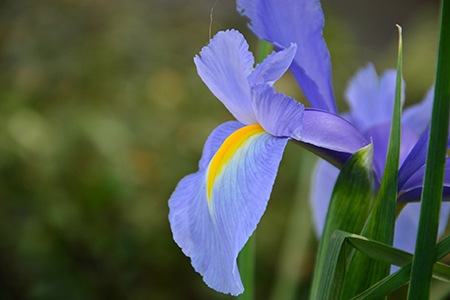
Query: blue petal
(212, 222)
(415, 159)
(371, 99)
(412, 189)
(408, 222)
(300, 22)
(278, 114)
(224, 66)
(273, 67)
(417, 117)
(331, 136)
(324, 178)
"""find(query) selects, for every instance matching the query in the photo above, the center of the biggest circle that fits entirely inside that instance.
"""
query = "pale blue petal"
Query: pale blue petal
(331, 136)
(273, 67)
(417, 117)
(407, 225)
(213, 231)
(371, 99)
(324, 178)
(300, 22)
(224, 66)
(278, 114)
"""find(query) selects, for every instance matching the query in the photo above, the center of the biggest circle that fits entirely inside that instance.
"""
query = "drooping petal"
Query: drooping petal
(412, 189)
(278, 114)
(417, 117)
(371, 99)
(300, 22)
(214, 211)
(179, 202)
(324, 178)
(408, 222)
(273, 67)
(330, 136)
(224, 66)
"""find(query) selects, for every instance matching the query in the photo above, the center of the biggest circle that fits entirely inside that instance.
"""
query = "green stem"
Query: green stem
(425, 253)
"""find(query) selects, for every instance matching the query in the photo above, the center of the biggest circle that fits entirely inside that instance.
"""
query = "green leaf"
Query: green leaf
(349, 206)
(396, 280)
(334, 268)
(424, 254)
(338, 254)
(387, 285)
(363, 271)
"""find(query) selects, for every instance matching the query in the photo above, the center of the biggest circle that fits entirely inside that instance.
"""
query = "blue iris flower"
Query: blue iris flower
(215, 210)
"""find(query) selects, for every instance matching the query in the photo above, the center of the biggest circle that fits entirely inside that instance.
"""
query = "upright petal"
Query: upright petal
(417, 117)
(214, 211)
(224, 66)
(371, 99)
(300, 22)
(273, 67)
(324, 178)
(278, 114)
(331, 136)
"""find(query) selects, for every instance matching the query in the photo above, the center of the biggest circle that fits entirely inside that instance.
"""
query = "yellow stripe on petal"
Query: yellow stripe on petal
(226, 152)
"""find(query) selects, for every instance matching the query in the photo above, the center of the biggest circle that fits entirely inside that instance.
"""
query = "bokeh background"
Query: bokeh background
(102, 113)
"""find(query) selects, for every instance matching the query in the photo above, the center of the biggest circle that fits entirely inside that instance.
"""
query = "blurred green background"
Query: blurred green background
(102, 113)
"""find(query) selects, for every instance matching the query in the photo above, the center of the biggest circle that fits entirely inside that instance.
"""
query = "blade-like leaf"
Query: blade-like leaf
(424, 254)
(338, 253)
(396, 280)
(387, 285)
(334, 267)
(364, 272)
(349, 205)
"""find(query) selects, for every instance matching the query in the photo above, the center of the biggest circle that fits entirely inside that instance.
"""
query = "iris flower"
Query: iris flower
(371, 103)
(215, 210)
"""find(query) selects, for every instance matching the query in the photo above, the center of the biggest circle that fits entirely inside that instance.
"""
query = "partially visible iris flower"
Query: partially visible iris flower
(370, 99)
